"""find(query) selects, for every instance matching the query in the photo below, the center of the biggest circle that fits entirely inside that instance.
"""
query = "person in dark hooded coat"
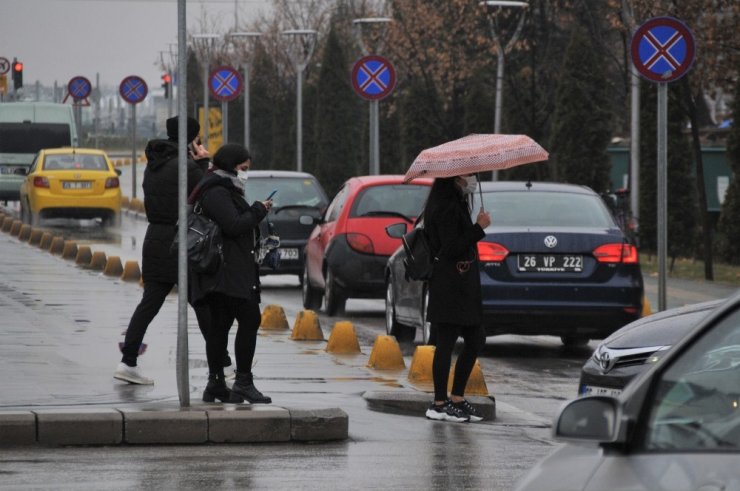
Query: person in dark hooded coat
(233, 291)
(159, 262)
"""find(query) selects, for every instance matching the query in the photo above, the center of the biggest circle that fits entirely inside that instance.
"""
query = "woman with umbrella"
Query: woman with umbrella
(454, 291)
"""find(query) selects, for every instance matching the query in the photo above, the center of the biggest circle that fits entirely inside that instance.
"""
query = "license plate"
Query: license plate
(288, 253)
(76, 184)
(593, 390)
(550, 263)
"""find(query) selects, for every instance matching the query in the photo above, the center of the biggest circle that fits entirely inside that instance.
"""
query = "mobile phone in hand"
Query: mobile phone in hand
(271, 195)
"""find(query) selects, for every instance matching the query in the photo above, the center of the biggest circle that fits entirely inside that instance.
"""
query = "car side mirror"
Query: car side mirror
(397, 230)
(119, 172)
(20, 171)
(591, 418)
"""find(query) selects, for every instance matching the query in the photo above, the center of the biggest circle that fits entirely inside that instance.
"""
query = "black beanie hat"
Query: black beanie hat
(192, 132)
(229, 156)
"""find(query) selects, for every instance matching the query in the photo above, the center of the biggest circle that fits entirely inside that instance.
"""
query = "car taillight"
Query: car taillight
(616, 253)
(360, 243)
(491, 252)
(40, 182)
(111, 182)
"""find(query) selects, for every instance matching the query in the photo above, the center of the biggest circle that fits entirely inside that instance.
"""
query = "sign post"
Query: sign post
(662, 51)
(4, 68)
(133, 90)
(225, 84)
(373, 78)
(78, 88)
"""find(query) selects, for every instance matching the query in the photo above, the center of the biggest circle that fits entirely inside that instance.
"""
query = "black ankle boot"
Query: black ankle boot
(244, 389)
(216, 388)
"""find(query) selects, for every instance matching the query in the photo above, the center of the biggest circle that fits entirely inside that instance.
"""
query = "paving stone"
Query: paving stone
(318, 424)
(79, 426)
(17, 428)
(159, 427)
(248, 424)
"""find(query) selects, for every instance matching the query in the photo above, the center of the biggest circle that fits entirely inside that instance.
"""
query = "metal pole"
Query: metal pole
(246, 106)
(635, 146)
(133, 150)
(374, 138)
(224, 122)
(299, 118)
(172, 94)
(662, 192)
(181, 365)
(206, 111)
(499, 97)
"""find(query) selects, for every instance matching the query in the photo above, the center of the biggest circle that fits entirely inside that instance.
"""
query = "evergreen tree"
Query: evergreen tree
(417, 116)
(337, 138)
(582, 122)
(729, 224)
(681, 199)
(480, 102)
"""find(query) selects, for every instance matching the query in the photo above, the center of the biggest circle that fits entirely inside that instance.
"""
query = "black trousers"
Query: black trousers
(223, 311)
(447, 334)
(155, 293)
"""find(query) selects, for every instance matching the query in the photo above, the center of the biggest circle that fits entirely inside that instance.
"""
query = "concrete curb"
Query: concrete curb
(416, 403)
(170, 424)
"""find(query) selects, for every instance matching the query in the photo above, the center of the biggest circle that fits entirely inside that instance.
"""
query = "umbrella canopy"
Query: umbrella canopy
(475, 153)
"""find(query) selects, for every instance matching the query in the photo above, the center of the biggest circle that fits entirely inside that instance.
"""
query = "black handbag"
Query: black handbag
(205, 245)
(420, 259)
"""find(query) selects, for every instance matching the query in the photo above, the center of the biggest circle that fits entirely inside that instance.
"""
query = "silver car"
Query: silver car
(675, 427)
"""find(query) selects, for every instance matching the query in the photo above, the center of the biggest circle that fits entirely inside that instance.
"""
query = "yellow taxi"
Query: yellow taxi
(71, 183)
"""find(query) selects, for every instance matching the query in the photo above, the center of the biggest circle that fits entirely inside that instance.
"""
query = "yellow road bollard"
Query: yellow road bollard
(84, 255)
(35, 238)
(125, 202)
(113, 266)
(386, 354)
(646, 310)
(45, 241)
(70, 250)
(420, 370)
(98, 261)
(131, 271)
(7, 223)
(15, 227)
(307, 327)
(343, 339)
(57, 245)
(476, 385)
(25, 233)
(274, 319)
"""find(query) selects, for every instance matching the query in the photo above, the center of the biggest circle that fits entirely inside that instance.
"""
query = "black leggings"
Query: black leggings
(447, 335)
(224, 309)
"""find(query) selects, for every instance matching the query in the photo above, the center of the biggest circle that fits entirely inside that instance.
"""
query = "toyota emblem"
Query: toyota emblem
(605, 361)
(551, 241)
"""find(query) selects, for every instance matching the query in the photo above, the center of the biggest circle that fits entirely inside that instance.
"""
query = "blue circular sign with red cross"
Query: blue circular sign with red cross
(133, 89)
(79, 87)
(373, 77)
(225, 83)
(663, 49)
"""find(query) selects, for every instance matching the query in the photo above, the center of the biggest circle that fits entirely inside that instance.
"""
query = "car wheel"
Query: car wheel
(428, 334)
(574, 341)
(333, 300)
(112, 220)
(392, 326)
(35, 219)
(311, 295)
(25, 218)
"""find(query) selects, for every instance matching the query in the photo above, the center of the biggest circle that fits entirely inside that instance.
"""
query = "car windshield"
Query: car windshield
(291, 191)
(545, 209)
(32, 137)
(697, 401)
(75, 162)
(390, 199)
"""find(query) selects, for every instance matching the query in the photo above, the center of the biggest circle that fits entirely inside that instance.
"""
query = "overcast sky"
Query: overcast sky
(61, 39)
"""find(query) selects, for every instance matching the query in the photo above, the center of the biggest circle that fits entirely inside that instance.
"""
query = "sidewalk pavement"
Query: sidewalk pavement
(59, 332)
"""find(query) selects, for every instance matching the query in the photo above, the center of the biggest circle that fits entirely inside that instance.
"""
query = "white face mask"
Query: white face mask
(471, 184)
(242, 176)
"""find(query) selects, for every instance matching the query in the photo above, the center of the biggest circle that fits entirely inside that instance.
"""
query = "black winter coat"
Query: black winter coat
(454, 296)
(238, 275)
(159, 263)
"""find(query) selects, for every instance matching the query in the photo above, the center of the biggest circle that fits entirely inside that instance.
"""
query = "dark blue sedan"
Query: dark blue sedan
(553, 262)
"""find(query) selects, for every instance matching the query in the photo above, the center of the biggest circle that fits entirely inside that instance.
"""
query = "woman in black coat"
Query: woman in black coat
(233, 292)
(454, 292)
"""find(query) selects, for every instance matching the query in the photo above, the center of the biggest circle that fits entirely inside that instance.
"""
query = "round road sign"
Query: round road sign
(225, 83)
(133, 89)
(4, 65)
(373, 77)
(79, 87)
(663, 49)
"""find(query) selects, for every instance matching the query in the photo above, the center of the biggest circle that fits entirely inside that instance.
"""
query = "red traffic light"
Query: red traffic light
(166, 78)
(18, 66)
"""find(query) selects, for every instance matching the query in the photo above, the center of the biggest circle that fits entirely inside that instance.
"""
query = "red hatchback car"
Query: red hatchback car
(347, 251)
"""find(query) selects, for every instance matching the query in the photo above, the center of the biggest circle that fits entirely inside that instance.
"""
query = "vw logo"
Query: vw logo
(77, 175)
(605, 361)
(551, 241)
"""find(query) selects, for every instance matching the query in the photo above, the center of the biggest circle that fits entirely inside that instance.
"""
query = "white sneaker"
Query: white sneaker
(131, 375)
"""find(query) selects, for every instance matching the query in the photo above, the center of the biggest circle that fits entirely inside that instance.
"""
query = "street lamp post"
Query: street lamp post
(245, 42)
(374, 147)
(501, 52)
(303, 44)
(205, 44)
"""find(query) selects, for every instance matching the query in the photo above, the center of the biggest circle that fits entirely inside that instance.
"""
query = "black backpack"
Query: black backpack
(205, 242)
(420, 259)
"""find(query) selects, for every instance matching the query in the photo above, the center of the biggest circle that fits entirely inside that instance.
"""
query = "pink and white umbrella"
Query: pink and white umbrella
(475, 153)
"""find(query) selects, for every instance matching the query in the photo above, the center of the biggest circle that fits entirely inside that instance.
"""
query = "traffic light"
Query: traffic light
(166, 82)
(17, 74)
